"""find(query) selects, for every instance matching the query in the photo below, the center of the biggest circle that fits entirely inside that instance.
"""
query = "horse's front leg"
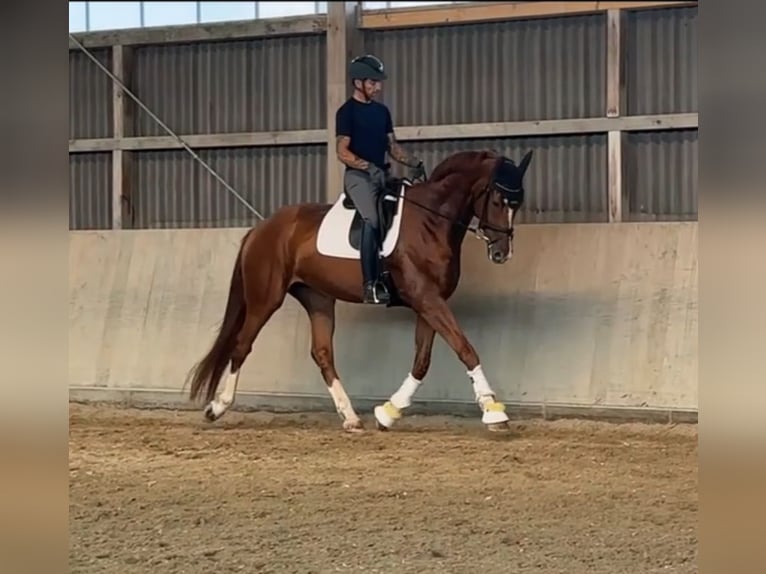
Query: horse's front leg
(439, 316)
(387, 414)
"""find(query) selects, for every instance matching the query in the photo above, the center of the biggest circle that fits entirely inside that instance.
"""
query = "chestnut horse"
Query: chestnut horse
(280, 256)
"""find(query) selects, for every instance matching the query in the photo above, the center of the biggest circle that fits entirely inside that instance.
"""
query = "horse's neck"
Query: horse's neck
(453, 201)
(458, 198)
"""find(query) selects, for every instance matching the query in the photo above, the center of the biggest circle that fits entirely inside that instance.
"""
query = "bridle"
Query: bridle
(509, 198)
(500, 181)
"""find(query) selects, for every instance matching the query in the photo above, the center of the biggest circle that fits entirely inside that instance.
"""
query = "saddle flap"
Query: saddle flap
(339, 232)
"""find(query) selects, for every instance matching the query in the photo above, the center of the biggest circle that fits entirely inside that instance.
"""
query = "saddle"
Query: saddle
(387, 204)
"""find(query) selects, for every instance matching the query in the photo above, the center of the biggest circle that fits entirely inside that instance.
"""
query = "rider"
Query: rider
(365, 132)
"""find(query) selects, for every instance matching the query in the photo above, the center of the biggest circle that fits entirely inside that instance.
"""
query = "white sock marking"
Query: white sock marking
(342, 402)
(226, 397)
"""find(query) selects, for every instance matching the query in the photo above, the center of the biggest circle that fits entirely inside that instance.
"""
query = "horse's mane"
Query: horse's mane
(457, 160)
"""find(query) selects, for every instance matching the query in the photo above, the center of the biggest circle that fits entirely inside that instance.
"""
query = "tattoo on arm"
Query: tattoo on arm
(399, 153)
(346, 155)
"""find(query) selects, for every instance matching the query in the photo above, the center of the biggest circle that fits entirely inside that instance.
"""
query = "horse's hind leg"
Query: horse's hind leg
(321, 312)
(387, 414)
(260, 307)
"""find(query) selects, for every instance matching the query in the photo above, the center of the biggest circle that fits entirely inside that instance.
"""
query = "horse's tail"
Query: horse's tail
(206, 374)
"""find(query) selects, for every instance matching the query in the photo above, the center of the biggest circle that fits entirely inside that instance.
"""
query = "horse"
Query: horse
(425, 223)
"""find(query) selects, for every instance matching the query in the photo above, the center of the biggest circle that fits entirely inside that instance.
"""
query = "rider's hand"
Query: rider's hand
(418, 172)
(377, 175)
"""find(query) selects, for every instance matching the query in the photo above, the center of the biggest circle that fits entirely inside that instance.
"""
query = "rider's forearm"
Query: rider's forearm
(351, 160)
(399, 154)
(404, 158)
(346, 156)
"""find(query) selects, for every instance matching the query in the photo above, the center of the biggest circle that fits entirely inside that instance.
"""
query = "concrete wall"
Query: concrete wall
(587, 315)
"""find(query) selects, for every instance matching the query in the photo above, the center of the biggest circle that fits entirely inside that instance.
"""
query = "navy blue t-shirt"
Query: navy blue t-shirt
(368, 126)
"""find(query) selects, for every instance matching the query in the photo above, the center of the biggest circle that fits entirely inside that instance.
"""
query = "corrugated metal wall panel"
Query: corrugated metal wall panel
(174, 190)
(503, 71)
(90, 95)
(660, 175)
(549, 68)
(662, 61)
(566, 181)
(90, 190)
(221, 87)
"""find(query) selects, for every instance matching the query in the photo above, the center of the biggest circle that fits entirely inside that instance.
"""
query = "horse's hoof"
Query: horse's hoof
(209, 413)
(354, 426)
(499, 427)
(494, 416)
(386, 415)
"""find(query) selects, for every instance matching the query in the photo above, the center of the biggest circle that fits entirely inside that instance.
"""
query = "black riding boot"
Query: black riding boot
(374, 291)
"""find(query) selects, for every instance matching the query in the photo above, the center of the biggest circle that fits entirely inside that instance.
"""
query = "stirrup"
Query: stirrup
(375, 292)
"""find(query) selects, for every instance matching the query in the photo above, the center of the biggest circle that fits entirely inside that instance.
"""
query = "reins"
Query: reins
(479, 230)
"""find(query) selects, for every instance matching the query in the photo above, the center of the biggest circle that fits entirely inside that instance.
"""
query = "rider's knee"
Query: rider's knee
(371, 221)
(369, 215)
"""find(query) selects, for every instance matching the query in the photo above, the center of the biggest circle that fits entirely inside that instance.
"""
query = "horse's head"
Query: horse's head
(487, 186)
(497, 198)
(493, 189)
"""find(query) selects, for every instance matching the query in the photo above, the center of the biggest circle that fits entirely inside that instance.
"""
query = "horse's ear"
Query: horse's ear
(524, 164)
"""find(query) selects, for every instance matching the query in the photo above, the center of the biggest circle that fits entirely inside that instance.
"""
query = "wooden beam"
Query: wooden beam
(344, 41)
(495, 11)
(615, 62)
(614, 176)
(259, 28)
(548, 127)
(94, 145)
(122, 123)
(370, 19)
(201, 141)
(412, 133)
(615, 96)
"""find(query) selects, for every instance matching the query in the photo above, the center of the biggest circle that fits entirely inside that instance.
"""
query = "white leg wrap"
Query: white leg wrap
(391, 411)
(402, 398)
(481, 386)
(493, 411)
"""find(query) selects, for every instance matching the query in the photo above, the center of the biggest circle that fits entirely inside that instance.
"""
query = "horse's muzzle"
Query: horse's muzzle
(497, 256)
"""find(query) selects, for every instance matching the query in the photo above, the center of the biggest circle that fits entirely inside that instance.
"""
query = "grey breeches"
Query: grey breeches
(363, 192)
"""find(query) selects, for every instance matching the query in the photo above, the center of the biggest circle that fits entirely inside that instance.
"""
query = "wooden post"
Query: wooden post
(615, 107)
(344, 42)
(615, 68)
(614, 169)
(122, 121)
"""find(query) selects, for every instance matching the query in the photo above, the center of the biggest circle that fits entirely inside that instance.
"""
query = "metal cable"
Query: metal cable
(166, 128)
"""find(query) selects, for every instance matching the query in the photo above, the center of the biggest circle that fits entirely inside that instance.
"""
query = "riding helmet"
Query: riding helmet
(367, 67)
